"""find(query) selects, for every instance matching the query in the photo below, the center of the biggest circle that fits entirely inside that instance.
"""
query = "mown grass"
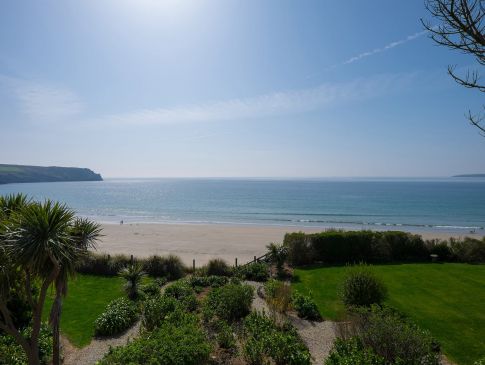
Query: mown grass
(446, 299)
(87, 297)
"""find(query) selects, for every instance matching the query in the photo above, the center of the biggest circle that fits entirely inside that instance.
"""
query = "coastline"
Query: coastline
(204, 241)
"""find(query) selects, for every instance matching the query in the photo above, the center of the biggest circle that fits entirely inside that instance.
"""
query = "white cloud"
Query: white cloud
(385, 48)
(45, 103)
(268, 105)
(42, 102)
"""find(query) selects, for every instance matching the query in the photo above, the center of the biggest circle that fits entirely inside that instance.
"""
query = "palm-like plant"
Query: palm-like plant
(277, 254)
(83, 235)
(44, 242)
(133, 274)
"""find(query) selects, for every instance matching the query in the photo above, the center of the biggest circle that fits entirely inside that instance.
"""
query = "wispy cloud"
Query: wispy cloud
(44, 102)
(385, 48)
(264, 106)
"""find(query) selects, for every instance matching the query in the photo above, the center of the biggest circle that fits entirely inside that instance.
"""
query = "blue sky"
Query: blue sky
(267, 88)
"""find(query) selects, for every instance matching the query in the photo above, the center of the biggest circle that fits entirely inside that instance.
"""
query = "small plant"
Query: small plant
(392, 337)
(12, 353)
(362, 288)
(278, 254)
(225, 336)
(352, 352)
(152, 289)
(278, 296)
(179, 290)
(257, 271)
(305, 307)
(179, 340)
(265, 340)
(218, 267)
(254, 352)
(175, 269)
(156, 310)
(205, 281)
(184, 293)
(118, 316)
(161, 281)
(133, 274)
(230, 302)
(170, 267)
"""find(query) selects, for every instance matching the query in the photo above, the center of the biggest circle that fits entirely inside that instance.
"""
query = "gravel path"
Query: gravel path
(97, 348)
(318, 336)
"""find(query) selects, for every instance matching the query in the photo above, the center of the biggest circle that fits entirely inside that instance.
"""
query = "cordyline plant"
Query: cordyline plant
(40, 245)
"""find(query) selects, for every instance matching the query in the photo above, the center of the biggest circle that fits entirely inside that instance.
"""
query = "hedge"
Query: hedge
(341, 247)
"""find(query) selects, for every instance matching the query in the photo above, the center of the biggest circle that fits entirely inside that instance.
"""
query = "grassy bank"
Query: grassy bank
(446, 299)
(87, 297)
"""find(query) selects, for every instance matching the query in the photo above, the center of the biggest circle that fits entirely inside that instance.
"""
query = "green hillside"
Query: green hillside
(26, 174)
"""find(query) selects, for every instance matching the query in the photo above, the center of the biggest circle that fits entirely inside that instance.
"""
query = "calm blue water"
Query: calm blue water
(413, 204)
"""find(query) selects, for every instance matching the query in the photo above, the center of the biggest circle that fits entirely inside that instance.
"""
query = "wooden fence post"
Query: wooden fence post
(132, 260)
(236, 262)
(193, 264)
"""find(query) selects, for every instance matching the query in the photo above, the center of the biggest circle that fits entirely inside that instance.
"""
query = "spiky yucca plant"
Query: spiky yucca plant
(133, 274)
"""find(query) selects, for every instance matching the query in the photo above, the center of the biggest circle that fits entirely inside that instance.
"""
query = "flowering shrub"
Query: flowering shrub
(118, 316)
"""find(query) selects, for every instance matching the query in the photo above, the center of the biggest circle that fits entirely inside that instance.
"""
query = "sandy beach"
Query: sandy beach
(203, 241)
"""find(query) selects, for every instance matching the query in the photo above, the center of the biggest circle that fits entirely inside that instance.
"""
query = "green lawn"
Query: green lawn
(447, 299)
(87, 297)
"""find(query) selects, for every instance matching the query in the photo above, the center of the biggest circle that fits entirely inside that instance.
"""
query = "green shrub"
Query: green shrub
(305, 307)
(225, 335)
(278, 296)
(300, 250)
(190, 302)
(362, 288)
(183, 292)
(205, 281)
(271, 287)
(118, 316)
(103, 264)
(151, 289)
(254, 352)
(170, 267)
(277, 254)
(265, 341)
(395, 339)
(257, 271)
(133, 274)
(156, 310)
(480, 361)
(440, 248)
(178, 341)
(12, 354)
(352, 352)
(340, 247)
(406, 246)
(468, 250)
(161, 281)
(218, 267)
(179, 289)
(230, 302)
(174, 267)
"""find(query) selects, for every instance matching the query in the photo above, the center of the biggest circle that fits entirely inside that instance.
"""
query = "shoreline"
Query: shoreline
(203, 241)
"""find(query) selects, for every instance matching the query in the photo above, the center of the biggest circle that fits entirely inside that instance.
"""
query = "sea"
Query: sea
(455, 205)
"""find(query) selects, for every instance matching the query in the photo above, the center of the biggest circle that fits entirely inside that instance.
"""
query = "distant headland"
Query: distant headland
(30, 174)
(470, 175)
